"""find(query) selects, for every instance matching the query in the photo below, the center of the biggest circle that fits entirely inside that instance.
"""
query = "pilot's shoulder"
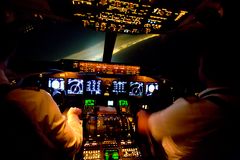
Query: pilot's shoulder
(185, 101)
(192, 99)
(31, 91)
(31, 88)
(26, 95)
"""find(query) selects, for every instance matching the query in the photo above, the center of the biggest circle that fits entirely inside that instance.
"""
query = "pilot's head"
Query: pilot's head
(8, 36)
(219, 64)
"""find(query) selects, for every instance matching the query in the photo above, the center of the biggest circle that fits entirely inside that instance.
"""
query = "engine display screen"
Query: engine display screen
(119, 87)
(93, 87)
(74, 86)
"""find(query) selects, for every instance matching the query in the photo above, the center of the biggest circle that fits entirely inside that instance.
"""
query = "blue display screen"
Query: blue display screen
(94, 87)
(74, 86)
(150, 88)
(56, 83)
(136, 88)
(119, 87)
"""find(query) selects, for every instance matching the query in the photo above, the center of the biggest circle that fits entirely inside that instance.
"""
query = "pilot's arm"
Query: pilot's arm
(173, 121)
(180, 124)
(143, 117)
(62, 131)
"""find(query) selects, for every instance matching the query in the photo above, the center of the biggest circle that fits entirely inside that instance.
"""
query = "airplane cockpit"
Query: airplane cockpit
(110, 58)
(109, 94)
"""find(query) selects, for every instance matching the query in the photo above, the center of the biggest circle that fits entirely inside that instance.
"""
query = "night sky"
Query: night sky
(56, 41)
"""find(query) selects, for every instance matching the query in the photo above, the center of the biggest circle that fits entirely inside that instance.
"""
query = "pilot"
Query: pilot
(58, 130)
(203, 127)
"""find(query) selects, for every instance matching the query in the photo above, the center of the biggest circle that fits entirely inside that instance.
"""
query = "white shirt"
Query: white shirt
(45, 114)
(50, 123)
(183, 124)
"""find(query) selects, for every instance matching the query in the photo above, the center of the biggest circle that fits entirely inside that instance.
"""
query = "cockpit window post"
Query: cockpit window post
(110, 39)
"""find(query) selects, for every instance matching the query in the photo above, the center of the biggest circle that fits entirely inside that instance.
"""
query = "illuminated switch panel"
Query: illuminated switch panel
(92, 154)
(126, 16)
(131, 152)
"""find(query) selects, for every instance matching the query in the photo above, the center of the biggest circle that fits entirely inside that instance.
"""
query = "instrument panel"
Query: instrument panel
(109, 105)
(77, 89)
(120, 86)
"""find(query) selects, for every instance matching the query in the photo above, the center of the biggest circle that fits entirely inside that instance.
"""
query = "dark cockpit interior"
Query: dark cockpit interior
(111, 58)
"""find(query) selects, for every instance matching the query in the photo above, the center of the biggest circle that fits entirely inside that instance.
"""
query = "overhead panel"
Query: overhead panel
(135, 16)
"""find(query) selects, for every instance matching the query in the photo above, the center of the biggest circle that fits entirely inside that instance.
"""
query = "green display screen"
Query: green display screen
(111, 154)
(89, 102)
(122, 103)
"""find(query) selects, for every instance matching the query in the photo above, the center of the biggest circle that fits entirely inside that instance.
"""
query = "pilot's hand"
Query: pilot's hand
(73, 115)
(143, 122)
(74, 111)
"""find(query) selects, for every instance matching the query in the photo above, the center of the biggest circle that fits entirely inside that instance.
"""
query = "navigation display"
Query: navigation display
(94, 87)
(136, 88)
(74, 86)
(119, 87)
